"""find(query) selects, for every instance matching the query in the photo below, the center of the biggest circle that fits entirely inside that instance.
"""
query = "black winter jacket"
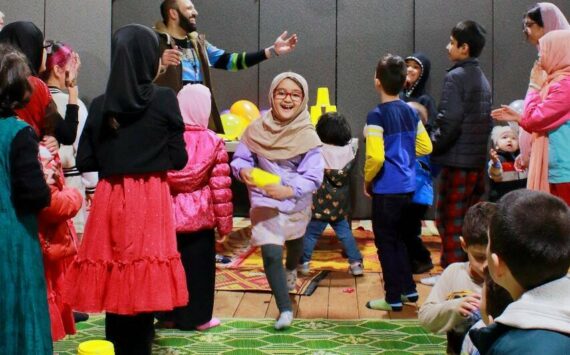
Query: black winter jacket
(147, 142)
(463, 123)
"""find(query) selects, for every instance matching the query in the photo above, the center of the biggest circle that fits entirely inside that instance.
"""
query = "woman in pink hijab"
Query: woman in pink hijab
(202, 203)
(542, 18)
(539, 20)
(547, 115)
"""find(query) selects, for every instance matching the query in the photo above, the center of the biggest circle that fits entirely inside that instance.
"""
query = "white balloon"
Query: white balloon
(518, 106)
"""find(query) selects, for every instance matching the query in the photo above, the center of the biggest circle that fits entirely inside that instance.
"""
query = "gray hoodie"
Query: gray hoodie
(544, 307)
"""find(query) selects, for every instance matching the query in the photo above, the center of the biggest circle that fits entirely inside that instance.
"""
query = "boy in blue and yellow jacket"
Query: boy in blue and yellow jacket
(394, 136)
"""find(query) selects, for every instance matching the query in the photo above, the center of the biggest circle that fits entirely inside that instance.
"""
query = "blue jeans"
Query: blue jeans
(343, 233)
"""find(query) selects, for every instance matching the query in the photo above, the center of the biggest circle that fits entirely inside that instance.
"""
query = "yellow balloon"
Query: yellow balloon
(245, 109)
(234, 125)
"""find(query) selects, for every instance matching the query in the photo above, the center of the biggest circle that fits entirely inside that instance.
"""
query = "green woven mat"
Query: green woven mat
(245, 336)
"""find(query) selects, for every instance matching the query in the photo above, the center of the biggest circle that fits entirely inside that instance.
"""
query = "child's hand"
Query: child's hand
(50, 175)
(72, 90)
(521, 163)
(76, 62)
(278, 192)
(221, 239)
(73, 72)
(368, 189)
(494, 157)
(245, 175)
(88, 201)
(51, 144)
(505, 113)
(469, 305)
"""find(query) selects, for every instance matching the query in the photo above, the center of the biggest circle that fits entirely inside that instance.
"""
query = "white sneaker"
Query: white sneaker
(356, 269)
(291, 279)
(284, 321)
(304, 268)
(430, 281)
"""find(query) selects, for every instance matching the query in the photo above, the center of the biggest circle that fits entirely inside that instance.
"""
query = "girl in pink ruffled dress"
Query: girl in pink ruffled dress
(127, 264)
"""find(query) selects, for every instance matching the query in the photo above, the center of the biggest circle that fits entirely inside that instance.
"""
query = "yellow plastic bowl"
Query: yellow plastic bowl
(96, 347)
(262, 178)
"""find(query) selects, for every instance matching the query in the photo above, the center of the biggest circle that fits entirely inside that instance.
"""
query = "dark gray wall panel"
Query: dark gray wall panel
(86, 26)
(232, 25)
(342, 60)
(145, 12)
(433, 23)
(315, 23)
(513, 56)
(368, 29)
(23, 10)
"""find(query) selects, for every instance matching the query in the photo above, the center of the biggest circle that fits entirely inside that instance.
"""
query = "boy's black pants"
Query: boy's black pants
(417, 251)
(388, 221)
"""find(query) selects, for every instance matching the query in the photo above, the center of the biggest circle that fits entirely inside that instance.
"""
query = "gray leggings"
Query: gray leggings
(273, 264)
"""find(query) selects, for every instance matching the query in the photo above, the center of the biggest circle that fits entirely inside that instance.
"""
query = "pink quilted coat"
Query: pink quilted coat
(201, 191)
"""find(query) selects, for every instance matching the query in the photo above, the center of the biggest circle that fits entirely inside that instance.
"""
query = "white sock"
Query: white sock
(285, 320)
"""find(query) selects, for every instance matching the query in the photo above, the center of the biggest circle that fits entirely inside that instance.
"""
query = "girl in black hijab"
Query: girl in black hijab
(128, 264)
(28, 38)
(134, 67)
(41, 112)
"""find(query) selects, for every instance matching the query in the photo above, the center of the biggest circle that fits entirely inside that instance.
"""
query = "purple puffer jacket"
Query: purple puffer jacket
(201, 191)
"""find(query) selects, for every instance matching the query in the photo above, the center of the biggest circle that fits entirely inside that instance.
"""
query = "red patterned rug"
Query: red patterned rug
(328, 254)
(236, 246)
